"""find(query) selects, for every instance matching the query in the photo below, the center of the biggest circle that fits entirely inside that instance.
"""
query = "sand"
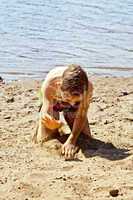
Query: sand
(28, 171)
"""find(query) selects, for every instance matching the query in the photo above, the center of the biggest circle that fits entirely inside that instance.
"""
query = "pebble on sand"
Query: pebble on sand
(114, 192)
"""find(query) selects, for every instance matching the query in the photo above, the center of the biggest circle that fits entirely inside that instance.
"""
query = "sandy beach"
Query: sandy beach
(102, 169)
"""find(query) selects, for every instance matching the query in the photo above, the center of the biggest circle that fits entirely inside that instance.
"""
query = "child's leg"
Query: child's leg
(42, 133)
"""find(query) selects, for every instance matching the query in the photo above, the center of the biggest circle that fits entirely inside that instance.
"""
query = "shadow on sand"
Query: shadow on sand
(95, 147)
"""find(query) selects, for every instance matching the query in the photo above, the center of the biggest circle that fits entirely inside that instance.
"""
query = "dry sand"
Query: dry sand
(28, 171)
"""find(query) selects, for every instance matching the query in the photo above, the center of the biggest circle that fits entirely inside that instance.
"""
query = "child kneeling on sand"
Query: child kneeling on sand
(67, 90)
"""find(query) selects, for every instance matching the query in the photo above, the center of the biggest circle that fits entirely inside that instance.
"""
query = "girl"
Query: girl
(67, 90)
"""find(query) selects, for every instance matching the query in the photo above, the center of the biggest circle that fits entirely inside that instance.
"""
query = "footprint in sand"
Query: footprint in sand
(28, 190)
(67, 168)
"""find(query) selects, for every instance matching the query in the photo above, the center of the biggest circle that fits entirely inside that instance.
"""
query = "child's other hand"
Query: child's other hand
(51, 123)
(69, 150)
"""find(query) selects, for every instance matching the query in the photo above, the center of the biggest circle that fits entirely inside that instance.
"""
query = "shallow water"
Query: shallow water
(36, 36)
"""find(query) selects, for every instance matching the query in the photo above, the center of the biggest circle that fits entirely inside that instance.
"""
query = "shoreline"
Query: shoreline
(94, 71)
(32, 172)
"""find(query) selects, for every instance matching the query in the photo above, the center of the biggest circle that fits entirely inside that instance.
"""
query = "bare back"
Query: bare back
(52, 83)
(51, 87)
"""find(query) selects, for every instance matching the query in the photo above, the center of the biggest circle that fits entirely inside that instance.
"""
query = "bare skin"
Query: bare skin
(77, 121)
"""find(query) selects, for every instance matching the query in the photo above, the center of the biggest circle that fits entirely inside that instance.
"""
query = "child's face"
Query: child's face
(72, 99)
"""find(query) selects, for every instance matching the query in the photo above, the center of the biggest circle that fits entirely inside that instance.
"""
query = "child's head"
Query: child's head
(74, 82)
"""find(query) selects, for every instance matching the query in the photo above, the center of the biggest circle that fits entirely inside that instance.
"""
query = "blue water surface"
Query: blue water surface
(36, 36)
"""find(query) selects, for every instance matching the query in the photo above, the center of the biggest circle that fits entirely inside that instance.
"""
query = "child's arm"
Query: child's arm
(51, 123)
(80, 118)
(68, 149)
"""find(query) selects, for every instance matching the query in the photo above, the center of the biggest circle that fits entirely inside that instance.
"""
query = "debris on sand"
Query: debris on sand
(114, 192)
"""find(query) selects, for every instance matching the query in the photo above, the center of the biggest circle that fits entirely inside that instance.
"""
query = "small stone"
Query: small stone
(129, 117)
(102, 107)
(114, 192)
(10, 100)
(60, 177)
(106, 121)
(125, 93)
(29, 90)
(96, 99)
(92, 122)
(7, 117)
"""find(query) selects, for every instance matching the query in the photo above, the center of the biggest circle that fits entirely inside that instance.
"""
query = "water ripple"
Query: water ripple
(36, 36)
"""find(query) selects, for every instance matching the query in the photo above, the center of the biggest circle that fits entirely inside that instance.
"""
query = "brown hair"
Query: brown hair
(75, 80)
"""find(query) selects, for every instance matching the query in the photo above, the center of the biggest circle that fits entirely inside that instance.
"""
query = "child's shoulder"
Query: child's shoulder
(52, 75)
(55, 72)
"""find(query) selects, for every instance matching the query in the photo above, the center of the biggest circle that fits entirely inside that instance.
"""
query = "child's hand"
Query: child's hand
(69, 150)
(51, 123)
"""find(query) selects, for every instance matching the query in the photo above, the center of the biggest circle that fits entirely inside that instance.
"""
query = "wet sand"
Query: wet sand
(102, 169)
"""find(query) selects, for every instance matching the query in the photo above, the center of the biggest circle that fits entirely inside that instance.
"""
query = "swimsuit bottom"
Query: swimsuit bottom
(64, 106)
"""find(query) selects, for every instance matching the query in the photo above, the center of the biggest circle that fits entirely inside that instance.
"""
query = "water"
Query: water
(36, 36)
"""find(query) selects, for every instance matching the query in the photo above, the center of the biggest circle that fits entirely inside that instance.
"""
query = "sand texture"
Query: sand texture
(101, 170)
